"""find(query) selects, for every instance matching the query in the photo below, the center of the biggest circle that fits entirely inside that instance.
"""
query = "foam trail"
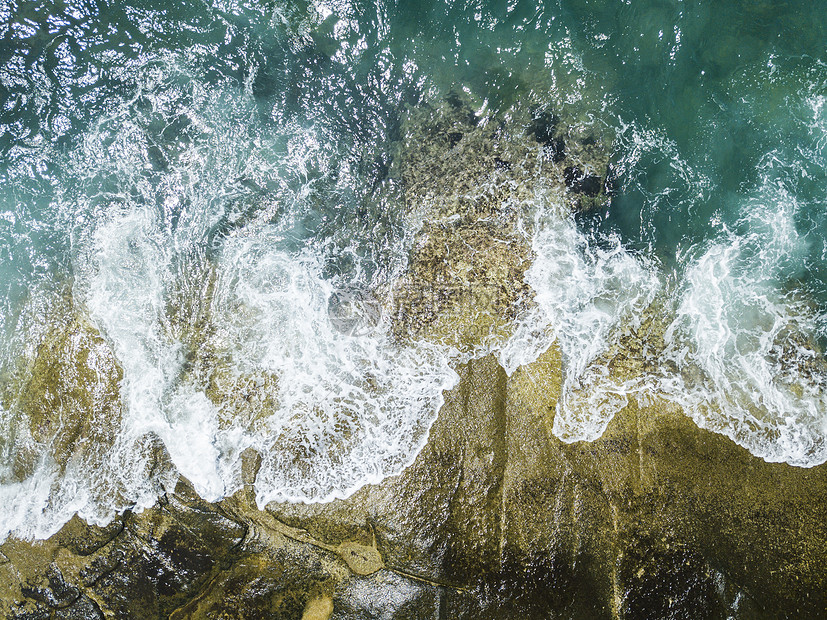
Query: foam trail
(749, 368)
(192, 253)
(352, 408)
(24, 503)
(585, 293)
(344, 410)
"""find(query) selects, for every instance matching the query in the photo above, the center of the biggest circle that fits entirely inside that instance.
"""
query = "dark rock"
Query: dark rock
(581, 183)
(55, 592)
(591, 185)
(543, 127)
(462, 108)
(82, 609)
(83, 539)
(99, 567)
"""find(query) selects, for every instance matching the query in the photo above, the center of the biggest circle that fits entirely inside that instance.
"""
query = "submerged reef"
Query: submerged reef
(496, 517)
(467, 182)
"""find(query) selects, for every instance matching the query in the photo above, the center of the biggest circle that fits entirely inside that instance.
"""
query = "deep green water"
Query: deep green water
(137, 139)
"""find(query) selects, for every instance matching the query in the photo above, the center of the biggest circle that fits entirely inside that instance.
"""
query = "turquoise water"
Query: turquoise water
(141, 140)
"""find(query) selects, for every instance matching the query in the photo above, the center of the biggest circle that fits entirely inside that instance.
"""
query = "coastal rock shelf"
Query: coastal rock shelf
(496, 517)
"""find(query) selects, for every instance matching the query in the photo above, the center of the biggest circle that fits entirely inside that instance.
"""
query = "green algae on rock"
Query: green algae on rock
(72, 399)
(65, 395)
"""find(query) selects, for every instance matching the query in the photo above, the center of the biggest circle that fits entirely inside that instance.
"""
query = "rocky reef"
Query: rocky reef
(496, 517)
(468, 186)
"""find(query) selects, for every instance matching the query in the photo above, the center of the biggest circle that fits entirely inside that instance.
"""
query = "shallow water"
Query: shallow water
(169, 162)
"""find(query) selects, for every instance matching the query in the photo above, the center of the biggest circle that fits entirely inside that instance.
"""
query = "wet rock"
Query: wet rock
(511, 522)
(388, 596)
(54, 592)
(248, 399)
(320, 608)
(454, 170)
(83, 539)
(581, 183)
(460, 283)
(496, 517)
(72, 397)
(587, 174)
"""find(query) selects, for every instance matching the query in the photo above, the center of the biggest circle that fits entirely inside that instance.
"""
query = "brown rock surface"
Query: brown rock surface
(496, 518)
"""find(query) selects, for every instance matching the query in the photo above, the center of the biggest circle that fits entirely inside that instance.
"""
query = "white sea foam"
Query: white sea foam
(749, 368)
(740, 353)
(586, 292)
(173, 189)
(353, 408)
(745, 331)
(25, 505)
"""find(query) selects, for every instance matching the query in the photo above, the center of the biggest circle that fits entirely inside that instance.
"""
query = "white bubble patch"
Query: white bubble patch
(353, 408)
(191, 229)
(749, 368)
(585, 293)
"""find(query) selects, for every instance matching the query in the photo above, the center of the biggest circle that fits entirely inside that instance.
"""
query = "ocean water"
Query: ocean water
(205, 180)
